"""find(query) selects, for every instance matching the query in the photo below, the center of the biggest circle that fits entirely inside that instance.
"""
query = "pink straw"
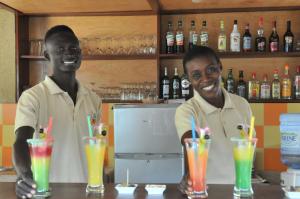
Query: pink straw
(49, 129)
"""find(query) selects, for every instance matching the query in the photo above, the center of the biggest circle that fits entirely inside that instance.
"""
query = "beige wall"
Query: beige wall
(7, 57)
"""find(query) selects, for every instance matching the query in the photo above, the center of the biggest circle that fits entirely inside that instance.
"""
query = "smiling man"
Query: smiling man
(68, 102)
(212, 106)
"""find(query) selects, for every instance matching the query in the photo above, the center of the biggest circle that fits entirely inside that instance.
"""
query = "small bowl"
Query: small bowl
(155, 189)
(291, 194)
(122, 189)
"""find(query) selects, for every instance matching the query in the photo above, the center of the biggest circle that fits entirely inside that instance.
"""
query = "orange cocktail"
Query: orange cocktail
(197, 154)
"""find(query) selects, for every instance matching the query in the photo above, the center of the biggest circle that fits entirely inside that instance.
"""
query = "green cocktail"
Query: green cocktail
(243, 152)
(40, 152)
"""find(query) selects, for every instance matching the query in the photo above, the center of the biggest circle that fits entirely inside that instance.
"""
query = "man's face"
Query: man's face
(205, 76)
(63, 52)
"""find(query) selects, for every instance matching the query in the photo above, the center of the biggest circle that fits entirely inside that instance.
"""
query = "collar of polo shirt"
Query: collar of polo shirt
(54, 88)
(208, 108)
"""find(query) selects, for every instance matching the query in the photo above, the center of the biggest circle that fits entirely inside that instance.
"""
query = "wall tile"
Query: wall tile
(273, 160)
(271, 137)
(9, 113)
(8, 135)
(258, 113)
(272, 113)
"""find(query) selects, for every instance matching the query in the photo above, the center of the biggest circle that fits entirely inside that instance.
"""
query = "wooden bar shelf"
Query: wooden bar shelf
(274, 101)
(240, 55)
(97, 57)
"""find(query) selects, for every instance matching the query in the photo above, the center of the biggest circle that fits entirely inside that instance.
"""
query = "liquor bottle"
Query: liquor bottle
(241, 86)
(265, 88)
(193, 36)
(170, 39)
(185, 86)
(276, 86)
(274, 39)
(223, 82)
(297, 84)
(235, 38)
(230, 83)
(247, 40)
(260, 40)
(175, 85)
(288, 39)
(204, 34)
(222, 38)
(286, 92)
(253, 88)
(179, 38)
(165, 85)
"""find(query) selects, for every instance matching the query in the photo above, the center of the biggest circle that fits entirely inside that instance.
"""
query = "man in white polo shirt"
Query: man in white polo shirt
(212, 106)
(68, 102)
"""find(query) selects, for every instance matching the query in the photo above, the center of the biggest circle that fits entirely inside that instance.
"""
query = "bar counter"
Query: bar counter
(77, 191)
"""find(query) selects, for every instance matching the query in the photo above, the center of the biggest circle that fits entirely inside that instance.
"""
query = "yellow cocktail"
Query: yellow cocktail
(95, 151)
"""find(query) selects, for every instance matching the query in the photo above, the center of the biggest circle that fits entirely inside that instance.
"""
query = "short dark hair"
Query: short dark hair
(200, 52)
(58, 29)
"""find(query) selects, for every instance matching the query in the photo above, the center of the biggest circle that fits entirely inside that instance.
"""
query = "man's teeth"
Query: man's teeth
(69, 62)
(208, 88)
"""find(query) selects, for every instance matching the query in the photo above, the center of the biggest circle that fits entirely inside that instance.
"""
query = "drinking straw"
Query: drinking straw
(251, 128)
(127, 177)
(193, 129)
(90, 127)
(49, 129)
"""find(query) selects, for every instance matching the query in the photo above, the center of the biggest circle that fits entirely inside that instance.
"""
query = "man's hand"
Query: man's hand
(185, 185)
(25, 187)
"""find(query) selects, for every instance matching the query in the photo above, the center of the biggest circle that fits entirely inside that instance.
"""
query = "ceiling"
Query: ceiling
(105, 6)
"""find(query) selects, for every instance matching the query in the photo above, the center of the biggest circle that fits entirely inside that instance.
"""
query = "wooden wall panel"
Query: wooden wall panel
(95, 25)
(105, 72)
(213, 24)
(7, 57)
(59, 6)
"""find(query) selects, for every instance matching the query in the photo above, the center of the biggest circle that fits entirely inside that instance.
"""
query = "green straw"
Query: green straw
(90, 128)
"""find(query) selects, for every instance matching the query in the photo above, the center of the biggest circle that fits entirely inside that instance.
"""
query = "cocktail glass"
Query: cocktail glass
(40, 152)
(95, 151)
(243, 152)
(197, 154)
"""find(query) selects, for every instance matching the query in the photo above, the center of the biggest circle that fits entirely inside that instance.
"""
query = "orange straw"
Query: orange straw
(49, 129)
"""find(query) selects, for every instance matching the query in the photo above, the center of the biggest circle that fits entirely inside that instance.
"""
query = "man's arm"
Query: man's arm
(25, 186)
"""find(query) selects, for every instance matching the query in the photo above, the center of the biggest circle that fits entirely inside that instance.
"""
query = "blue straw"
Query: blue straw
(193, 129)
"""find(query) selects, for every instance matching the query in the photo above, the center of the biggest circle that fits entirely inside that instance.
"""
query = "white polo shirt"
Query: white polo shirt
(223, 125)
(46, 99)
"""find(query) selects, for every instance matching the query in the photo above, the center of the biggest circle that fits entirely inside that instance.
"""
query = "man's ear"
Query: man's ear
(46, 55)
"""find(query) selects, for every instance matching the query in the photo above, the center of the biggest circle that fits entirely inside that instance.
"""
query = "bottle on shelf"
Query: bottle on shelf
(185, 86)
(193, 36)
(241, 85)
(297, 84)
(253, 88)
(165, 85)
(260, 40)
(179, 38)
(170, 38)
(222, 38)
(288, 39)
(247, 40)
(235, 38)
(274, 39)
(175, 85)
(286, 92)
(265, 88)
(276, 86)
(230, 83)
(204, 34)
